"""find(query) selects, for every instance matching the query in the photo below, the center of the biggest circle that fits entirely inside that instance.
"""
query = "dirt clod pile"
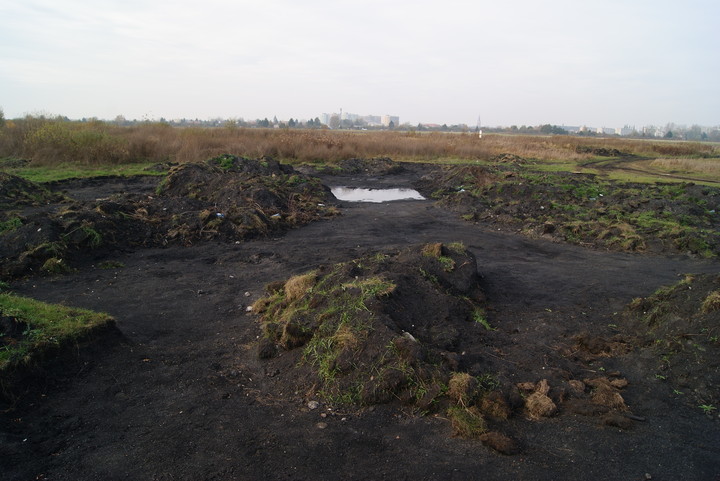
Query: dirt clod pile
(16, 191)
(395, 328)
(374, 166)
(227, 198)
(582, 209)
(377, 329)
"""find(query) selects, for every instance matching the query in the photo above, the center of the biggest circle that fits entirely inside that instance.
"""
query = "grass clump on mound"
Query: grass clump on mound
(386, 328)
(375, 329)
(31, 330)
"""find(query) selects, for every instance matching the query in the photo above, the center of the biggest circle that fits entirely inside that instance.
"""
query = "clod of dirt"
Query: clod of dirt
(577, 387)
(500, 442)
(495, 406)
(462, 388)
(539, 405)
(606, 394)
(617, 420)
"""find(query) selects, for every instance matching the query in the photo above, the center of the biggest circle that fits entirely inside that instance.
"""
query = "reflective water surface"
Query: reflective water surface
(352, 194)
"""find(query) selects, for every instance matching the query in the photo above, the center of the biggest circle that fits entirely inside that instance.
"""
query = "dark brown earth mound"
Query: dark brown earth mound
(16, 191)
(374, 166)
(601, 151)
(679, 331)
(227, 198)
(581, 209)
(410, 327)
(380, 328)
(444, 182)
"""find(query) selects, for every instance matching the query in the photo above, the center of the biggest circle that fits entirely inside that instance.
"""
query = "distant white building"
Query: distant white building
(386, 119)
(572, 129)
(625, 131)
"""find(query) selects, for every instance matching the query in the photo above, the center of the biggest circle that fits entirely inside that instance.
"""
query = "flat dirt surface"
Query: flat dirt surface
(182, 395)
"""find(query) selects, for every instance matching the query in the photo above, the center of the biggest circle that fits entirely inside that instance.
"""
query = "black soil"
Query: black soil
(185, 395)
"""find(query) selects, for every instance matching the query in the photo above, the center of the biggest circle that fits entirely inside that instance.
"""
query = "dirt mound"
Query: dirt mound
(380, 328)
(374, 166)
(227, 198)
(16, 191)
(508, 158)
(679, 335)
(600, 151)
(409, 327)
(448, 181)
(387, 328)
(659, 218)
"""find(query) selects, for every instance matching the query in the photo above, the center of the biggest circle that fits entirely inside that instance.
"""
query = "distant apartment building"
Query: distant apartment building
(370, 120)
(627, 130)
(387, 119)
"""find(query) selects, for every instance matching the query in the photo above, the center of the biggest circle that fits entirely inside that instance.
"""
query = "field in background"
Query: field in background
(83, 146)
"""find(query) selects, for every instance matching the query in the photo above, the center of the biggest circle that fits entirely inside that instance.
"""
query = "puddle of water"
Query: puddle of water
(352, 194)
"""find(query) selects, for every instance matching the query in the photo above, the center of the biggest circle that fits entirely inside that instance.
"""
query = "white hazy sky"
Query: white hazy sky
(601, 63)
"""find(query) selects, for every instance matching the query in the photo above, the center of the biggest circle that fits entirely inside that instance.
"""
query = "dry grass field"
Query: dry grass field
(49, 141)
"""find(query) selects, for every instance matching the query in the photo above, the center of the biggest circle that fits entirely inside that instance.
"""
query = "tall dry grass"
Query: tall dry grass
(704, 166)
(51, 141)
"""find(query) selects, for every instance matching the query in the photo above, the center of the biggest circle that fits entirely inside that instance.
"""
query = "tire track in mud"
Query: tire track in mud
(610, 165)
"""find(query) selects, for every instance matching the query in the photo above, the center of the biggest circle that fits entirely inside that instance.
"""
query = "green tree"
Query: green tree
(2, 118)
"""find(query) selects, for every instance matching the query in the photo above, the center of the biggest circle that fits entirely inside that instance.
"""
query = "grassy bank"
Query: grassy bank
(31, 330)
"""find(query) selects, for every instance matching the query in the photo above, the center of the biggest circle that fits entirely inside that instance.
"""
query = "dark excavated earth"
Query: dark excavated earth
(181, 393)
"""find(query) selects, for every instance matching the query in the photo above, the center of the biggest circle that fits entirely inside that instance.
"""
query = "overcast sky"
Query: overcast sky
(523, 62)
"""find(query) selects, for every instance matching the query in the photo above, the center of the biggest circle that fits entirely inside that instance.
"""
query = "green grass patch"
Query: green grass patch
(77, 171)
(32, 329)
(480, 318)
(10, 224)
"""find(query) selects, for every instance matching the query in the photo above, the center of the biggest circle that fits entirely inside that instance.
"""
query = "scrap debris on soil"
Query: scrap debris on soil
(386, 341)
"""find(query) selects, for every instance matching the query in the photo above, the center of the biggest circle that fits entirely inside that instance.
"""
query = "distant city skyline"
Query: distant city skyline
(522, 62)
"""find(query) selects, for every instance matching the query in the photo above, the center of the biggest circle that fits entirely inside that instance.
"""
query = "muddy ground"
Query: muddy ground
(181, 393)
